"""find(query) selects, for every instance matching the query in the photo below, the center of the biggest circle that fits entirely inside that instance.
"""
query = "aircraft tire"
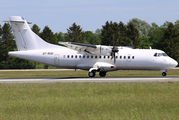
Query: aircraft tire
(102, 74)
(91, 74)
(164, 74)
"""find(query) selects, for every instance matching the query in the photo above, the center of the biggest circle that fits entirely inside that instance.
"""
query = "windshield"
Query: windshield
(160, 54)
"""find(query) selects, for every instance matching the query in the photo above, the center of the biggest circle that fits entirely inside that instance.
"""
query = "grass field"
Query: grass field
(91, 101)
(79, 101)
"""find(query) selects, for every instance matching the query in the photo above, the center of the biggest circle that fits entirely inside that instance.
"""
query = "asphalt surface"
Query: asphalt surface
(135, 79)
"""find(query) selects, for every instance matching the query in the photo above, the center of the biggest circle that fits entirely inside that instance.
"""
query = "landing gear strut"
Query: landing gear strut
(164, 74)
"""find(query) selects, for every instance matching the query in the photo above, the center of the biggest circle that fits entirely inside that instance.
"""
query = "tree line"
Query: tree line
(136, 33)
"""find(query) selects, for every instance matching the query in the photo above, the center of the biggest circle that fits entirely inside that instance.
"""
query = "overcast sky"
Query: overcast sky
(89, 14)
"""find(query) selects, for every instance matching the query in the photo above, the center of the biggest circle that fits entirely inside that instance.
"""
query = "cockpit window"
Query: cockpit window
(164, 54)
(155, 54)
(160, 54)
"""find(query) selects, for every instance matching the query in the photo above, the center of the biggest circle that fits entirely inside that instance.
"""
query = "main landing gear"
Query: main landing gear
(93, 73)
(102, 74)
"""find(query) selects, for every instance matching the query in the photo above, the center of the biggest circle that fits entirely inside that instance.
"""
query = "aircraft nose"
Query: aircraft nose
(174, 63)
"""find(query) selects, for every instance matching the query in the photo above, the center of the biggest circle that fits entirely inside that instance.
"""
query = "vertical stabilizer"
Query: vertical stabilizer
(25, 38)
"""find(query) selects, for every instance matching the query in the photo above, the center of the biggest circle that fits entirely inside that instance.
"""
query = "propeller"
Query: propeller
(113, 52)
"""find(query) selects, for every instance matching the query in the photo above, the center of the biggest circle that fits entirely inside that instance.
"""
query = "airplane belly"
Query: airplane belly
(67, 63)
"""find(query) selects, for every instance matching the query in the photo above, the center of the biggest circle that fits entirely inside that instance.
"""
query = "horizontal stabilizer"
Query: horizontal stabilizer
(17, 21)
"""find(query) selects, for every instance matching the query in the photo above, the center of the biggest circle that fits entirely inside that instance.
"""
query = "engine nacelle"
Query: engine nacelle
(102, 50)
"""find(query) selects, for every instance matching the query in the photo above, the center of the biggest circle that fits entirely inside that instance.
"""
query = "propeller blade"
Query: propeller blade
(114, 59)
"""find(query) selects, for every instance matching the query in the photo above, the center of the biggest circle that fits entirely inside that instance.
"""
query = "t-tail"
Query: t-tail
(25, 38)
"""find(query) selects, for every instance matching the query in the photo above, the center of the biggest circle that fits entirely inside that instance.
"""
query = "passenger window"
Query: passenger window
(104, 57)
(72, 56)
(75, 56)
(100, 57)
(108, 57)
(88, 56)
(64, 56)
(91, 56)
(116, 57)
(124, 57)
(96, 57)
(132, 57)
(128, 57)
(83, 56)
(120, 57)
(68, 56)
(80, 56)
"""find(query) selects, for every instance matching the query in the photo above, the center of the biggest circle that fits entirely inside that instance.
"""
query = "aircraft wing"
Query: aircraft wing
(80, 47)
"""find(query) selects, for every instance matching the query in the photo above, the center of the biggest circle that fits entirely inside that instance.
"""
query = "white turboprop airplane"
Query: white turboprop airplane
(93, 58)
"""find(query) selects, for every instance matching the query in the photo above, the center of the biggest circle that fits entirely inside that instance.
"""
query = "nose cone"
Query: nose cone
(175, 63)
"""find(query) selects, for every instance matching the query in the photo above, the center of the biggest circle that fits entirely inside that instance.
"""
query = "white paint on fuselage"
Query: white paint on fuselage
(143, 59)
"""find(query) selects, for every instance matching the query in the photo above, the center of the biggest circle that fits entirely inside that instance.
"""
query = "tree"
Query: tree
(123, 41)
(36, 29)
(145, 43)
(59, 37)
(165, 24)
(7, 43)
(120, 34)
(133, 35)
(110, 34)
(1, 53)
(155, 36)
(91, 38)
(75, 34)
(142, 26)
(170, 41)
(1, 31)
(177, 24)
(48, 35)
(98, 32)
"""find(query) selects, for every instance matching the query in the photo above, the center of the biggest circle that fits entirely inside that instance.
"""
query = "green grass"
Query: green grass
(79, 101)
(96, 101)
(42, 66)
(80, 73)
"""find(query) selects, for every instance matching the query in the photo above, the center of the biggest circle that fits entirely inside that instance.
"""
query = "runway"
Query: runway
(89, 80)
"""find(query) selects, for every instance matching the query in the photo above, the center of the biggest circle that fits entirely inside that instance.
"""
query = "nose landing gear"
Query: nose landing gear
(164, 73)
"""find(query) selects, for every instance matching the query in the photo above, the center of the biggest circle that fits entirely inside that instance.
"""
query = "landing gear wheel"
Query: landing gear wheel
(164, 74)
(91, 74)
(102, 74)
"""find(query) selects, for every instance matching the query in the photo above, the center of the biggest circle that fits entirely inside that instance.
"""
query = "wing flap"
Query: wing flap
(79, 46)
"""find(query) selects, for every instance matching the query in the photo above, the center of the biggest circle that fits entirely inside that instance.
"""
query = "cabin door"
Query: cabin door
(56, 59)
